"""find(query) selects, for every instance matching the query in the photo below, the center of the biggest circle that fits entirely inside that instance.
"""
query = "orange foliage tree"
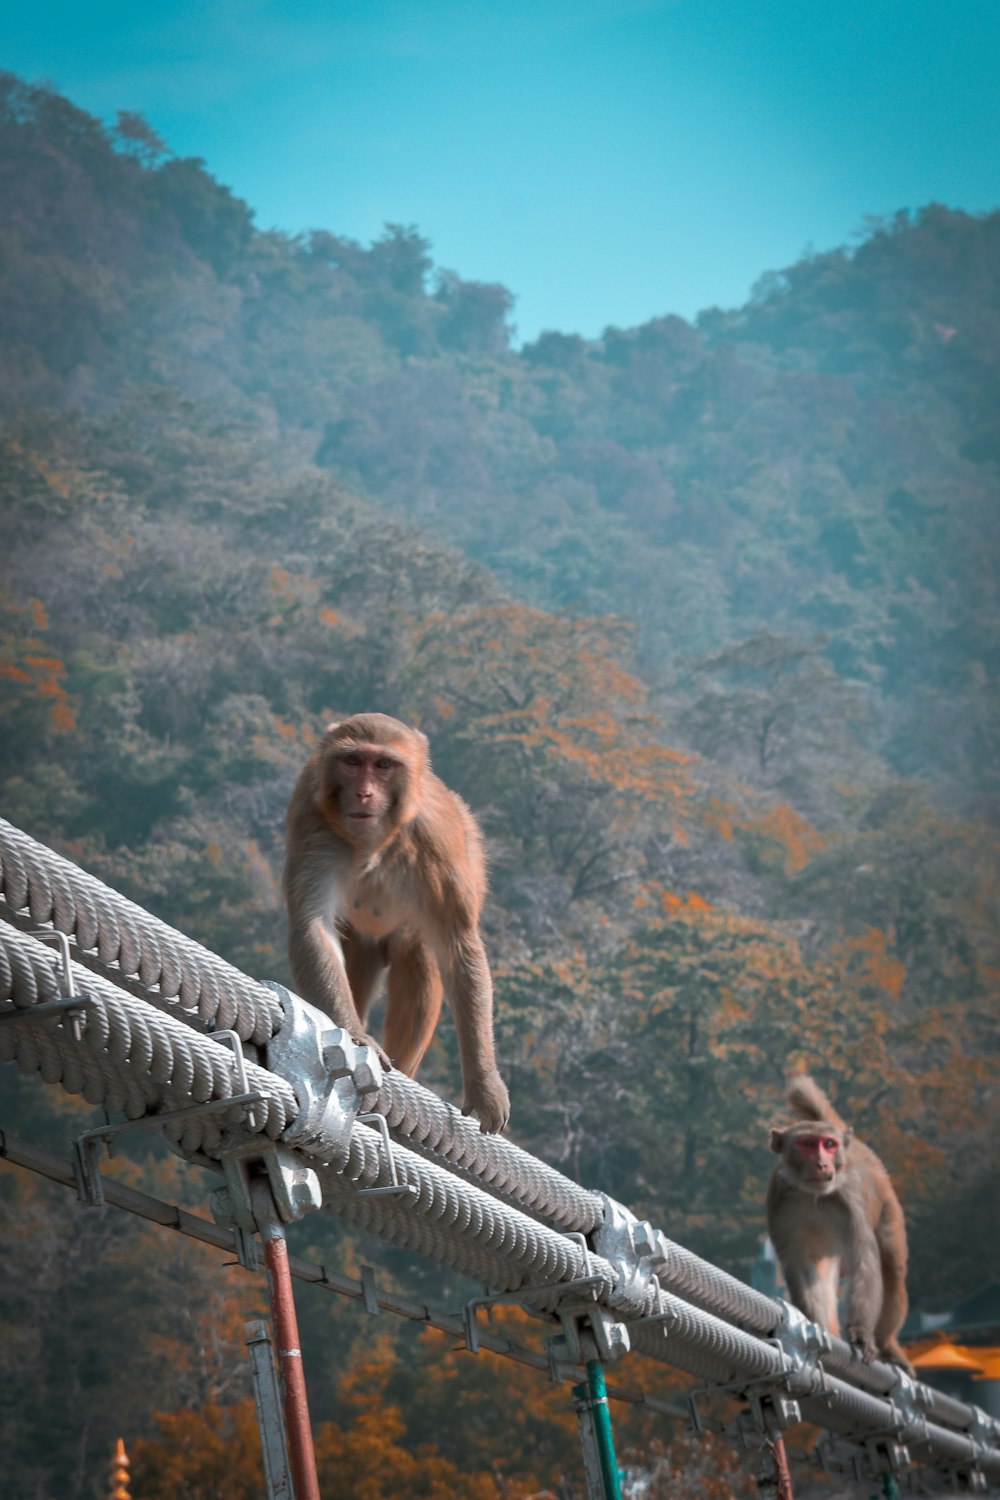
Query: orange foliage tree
(682, 1036)
(567, 759)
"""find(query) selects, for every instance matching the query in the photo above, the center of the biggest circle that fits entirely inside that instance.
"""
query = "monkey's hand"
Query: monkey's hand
(363, 1039)
(487, 1098)
(863, 1344)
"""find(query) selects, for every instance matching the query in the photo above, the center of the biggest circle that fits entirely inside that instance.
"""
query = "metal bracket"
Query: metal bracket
(247, 1254)
(592, 1332)
(662, 1318)
(908, 1404)
(771, 1413)
(70, 1004)
(295, 1188)
(235, 1041)
(85, 1168)
(73, 1005)
(369, 1291)
(887, 1456)
(515, 1299)
(396, 1189)
(983, 1434)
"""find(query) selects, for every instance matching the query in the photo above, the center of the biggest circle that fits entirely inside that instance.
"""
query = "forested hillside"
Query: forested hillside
(701, 620)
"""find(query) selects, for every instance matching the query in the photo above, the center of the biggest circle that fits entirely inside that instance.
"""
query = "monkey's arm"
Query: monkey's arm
(864, 1296)
(808, 1240)
(315, 955)
(469, 987)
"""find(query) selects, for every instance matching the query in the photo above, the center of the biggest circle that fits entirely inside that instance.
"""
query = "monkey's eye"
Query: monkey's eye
(830, 1144)
(384, 763)
(351, 760)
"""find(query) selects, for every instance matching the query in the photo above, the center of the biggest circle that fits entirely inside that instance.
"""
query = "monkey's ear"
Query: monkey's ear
(848, 1134)
(777, 1141)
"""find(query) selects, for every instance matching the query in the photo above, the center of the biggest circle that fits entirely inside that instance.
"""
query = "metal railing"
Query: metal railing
(146, 1023)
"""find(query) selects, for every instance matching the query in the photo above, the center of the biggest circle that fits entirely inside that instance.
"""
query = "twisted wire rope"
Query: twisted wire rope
(712, 1290)
(478, 1198)
(468, 1229)
(724, 1356)
(130, 1058)
(436, 1128)
(52, 890)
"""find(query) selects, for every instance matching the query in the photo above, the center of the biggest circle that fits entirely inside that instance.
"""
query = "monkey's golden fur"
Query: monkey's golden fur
(850, 1224)
(385, 867)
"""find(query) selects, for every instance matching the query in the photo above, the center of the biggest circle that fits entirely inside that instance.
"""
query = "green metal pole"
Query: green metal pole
(890, 1488)
(591, 1401)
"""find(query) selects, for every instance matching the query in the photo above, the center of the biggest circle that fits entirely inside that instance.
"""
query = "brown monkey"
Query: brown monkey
(385, 867)
(832, 1211)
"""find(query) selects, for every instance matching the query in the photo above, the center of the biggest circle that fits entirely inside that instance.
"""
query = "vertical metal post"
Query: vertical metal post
(301, 1456)
(782, 1476)
(277, 1475)
(590, 1401)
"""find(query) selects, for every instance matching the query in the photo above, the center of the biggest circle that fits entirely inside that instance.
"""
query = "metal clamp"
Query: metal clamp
(801, 1342)
(983, 1434)
(630, 1244)
(328, 1071)
(770, 1413)
(908, 1401)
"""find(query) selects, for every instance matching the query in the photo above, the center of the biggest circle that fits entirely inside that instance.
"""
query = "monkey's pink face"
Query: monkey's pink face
(817, 1158)
(365, 780)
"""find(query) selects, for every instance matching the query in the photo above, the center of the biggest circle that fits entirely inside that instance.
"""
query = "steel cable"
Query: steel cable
(51, 890)
(130, 1058)
(436, 1128)
(477, 1199)
(471, 1231)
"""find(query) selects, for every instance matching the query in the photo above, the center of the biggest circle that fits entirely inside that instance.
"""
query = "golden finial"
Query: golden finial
(119, 1474)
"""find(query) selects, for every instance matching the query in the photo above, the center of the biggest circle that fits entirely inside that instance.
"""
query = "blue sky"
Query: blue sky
(609, 161)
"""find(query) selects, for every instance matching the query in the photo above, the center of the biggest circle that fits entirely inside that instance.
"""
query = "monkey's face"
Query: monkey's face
(816, 1158)
(364, 784)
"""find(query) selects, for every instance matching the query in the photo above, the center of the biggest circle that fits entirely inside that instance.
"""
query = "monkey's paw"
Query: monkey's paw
(893, 1355)
(488, 1099)
(863, 1344)
(362, 1039)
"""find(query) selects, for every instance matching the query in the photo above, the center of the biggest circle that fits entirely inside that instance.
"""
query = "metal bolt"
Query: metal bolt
(367, 1071)
(338, 1057)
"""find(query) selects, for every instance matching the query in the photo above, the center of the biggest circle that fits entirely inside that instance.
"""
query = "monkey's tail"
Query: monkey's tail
(809, 1101)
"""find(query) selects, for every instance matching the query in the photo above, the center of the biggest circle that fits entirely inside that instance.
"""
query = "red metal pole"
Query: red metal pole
(301, 1457)
(783, 1479)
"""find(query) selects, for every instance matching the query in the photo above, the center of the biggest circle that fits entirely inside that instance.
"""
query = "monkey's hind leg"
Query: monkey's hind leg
(414, 1004)
(895, 1304)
